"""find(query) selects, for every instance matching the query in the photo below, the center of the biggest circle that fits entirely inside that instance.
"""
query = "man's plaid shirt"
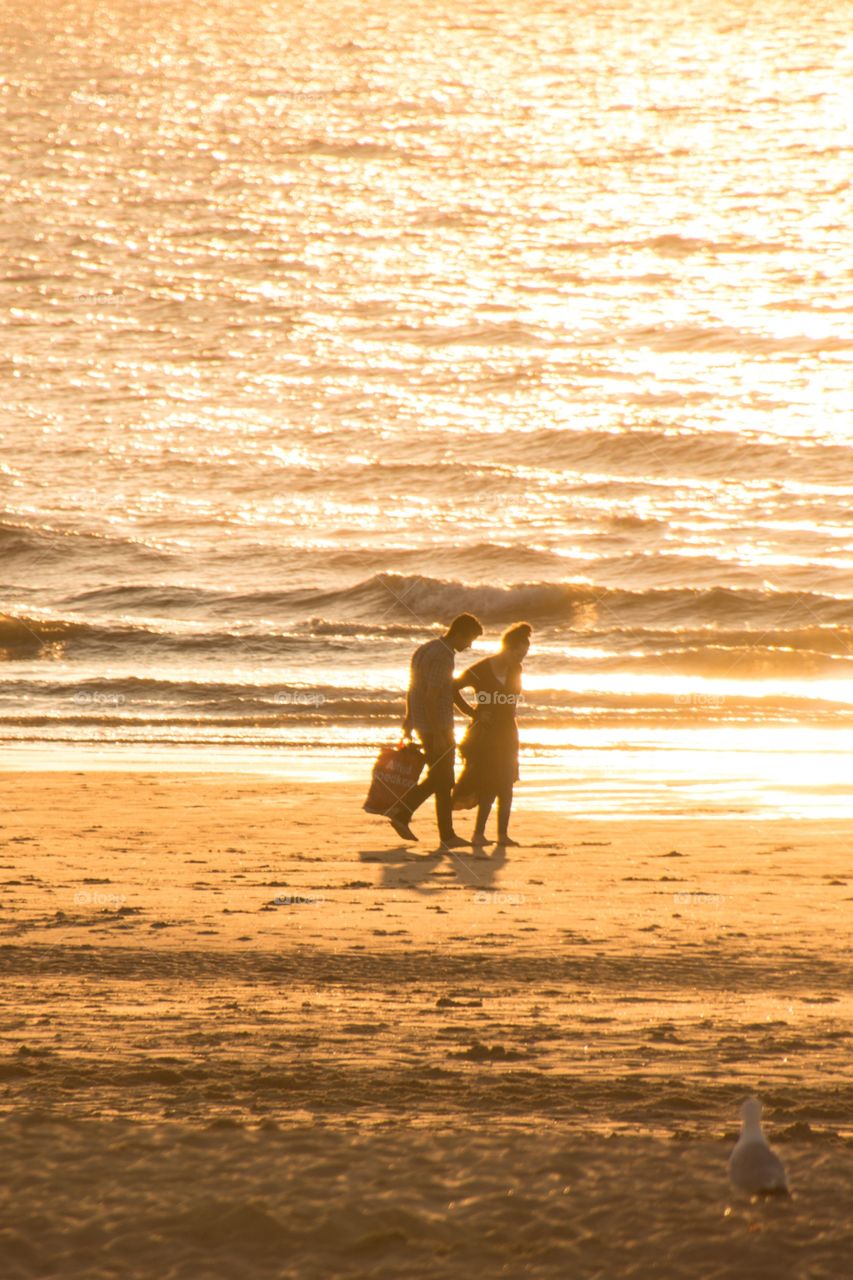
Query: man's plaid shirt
(431, 688)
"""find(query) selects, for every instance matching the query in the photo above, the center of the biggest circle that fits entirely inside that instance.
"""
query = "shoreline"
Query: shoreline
(702, 775)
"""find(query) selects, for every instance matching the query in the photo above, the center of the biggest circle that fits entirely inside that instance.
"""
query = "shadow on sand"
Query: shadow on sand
(436, 869)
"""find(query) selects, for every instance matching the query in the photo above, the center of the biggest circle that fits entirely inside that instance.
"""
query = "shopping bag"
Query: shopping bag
(396, 771)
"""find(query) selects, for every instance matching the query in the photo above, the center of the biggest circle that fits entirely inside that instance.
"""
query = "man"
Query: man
(429, 712)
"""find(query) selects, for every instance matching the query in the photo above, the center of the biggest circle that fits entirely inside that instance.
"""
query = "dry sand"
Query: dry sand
(245, 1033)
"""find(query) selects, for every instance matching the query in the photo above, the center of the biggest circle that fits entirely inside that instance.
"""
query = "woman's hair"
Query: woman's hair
(518, 631)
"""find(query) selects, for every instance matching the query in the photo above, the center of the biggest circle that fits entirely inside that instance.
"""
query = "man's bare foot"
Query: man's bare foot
(479, 840)
(400, 822)
(455, 842)
(506, 842)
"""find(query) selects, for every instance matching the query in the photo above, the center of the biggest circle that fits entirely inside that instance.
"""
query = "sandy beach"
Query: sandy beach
(245, 1032)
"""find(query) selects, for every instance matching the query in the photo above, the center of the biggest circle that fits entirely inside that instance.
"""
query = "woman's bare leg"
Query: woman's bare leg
(504, 810)
(485, 808)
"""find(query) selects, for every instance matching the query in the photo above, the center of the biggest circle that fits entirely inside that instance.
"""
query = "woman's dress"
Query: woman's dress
(490, 746)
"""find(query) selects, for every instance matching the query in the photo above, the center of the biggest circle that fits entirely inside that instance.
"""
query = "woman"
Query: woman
(490, 747)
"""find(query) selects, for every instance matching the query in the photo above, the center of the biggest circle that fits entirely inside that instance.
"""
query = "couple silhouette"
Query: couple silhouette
(489, 748)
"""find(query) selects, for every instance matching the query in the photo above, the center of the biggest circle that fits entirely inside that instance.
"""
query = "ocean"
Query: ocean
(325, 322)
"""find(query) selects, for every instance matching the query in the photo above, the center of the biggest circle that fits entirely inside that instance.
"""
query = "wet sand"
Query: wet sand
(245, 1032)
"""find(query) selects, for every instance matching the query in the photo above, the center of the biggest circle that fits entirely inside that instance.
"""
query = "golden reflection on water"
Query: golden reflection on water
(518, 301)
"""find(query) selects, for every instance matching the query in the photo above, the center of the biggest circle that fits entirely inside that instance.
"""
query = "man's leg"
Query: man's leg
(414, 798)
(442, 772)
(438, 782)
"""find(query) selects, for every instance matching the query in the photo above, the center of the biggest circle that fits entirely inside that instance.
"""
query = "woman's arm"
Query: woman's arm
(462, 682)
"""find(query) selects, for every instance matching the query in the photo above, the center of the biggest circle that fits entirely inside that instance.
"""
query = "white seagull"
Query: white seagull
(753, 1167)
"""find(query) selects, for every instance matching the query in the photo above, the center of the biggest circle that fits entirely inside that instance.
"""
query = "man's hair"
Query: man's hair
(518, 631)
(465, 624)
